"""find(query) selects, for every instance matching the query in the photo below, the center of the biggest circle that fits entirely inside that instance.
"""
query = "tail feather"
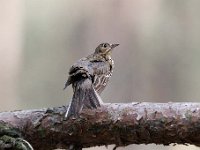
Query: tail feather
(84, 96)
(67, 83)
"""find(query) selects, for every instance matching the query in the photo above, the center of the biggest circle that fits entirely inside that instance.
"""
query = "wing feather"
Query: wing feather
(102, 71)
(98, 70)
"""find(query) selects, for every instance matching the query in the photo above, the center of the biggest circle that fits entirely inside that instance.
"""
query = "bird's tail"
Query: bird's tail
(84, 96)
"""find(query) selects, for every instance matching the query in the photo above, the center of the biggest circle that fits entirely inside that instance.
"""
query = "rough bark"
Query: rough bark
(120, 124)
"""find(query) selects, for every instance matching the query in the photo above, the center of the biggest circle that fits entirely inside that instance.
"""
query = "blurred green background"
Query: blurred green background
(158, 58)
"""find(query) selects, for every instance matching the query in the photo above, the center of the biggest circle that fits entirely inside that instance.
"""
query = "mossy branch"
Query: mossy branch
(120, 124)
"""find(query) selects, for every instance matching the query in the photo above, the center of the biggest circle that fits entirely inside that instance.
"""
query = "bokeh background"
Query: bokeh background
(157, 61)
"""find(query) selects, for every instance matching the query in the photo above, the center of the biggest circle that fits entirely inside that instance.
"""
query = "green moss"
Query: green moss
(188, 115)
(9, 137)
(5, 129)
(41, 132)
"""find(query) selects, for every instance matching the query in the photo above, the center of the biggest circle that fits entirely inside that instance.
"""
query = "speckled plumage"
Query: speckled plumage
(89, 77)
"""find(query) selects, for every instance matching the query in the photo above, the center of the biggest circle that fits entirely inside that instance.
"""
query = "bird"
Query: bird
(89, 77)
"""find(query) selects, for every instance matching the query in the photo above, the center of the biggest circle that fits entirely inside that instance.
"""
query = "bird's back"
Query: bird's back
(95, 67)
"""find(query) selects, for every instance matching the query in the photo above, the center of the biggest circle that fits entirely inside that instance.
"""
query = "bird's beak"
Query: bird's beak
(114, 45)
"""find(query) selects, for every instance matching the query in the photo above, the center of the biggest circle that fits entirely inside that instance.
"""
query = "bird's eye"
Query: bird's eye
(105, 45)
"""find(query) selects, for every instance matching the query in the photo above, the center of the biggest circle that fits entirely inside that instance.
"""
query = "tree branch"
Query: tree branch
(120, 124)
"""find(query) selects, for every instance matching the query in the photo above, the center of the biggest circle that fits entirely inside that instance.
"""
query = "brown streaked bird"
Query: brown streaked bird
(89, 77)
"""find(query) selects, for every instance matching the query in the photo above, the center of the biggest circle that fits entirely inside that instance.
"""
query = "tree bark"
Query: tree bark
(120, 124)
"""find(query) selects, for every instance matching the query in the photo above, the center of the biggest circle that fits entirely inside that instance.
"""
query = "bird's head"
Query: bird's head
(105, 48)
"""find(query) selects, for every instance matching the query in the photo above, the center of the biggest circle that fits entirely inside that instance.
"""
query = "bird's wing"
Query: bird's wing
(77, 71)
(99, 67)
(98, 71)
(102, 71)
